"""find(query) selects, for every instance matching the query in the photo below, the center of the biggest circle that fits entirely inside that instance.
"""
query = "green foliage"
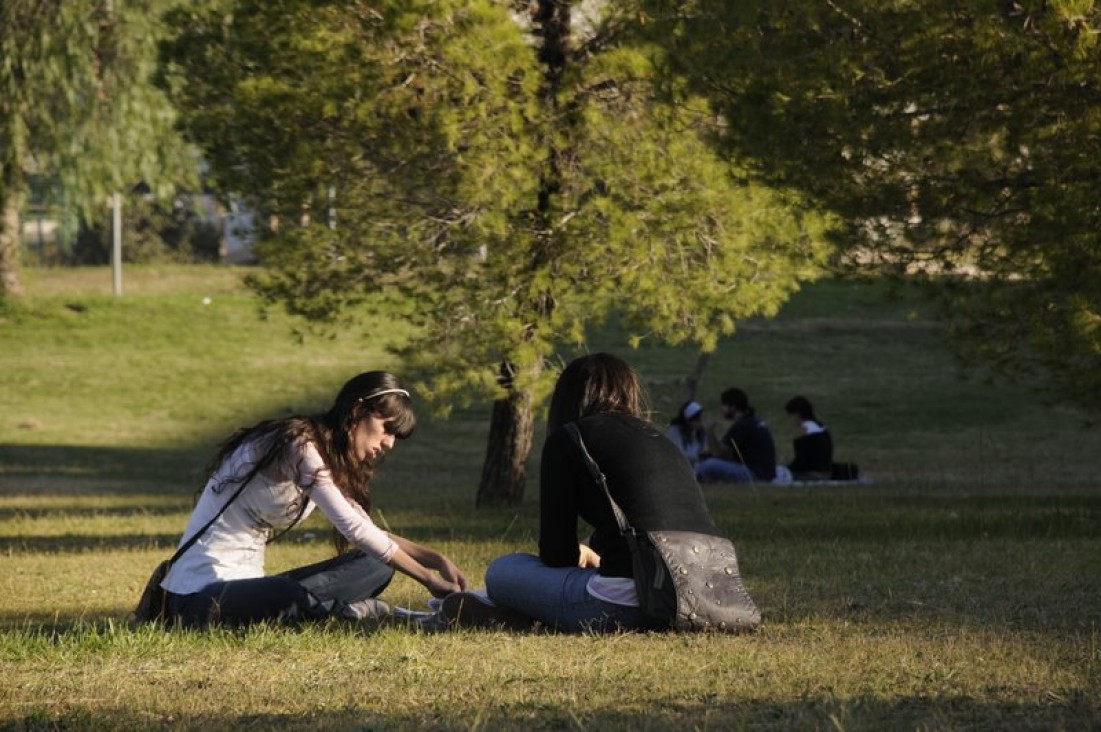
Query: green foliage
(77, 101)
(76, 83)
(949, 137)
(154, 232)
(419, 117)
(512, 214)
(698, 245)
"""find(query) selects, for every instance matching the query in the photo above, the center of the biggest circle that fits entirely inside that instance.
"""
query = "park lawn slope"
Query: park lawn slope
(960, 589)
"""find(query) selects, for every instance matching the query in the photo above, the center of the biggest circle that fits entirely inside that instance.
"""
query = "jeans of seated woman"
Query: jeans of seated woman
(312, 592)
(556, 596)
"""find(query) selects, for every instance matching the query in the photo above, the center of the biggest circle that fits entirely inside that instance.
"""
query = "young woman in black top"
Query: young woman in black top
(812, 444)
(577, 585)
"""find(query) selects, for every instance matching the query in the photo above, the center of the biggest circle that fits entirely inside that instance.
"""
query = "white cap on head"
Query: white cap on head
(692, 409)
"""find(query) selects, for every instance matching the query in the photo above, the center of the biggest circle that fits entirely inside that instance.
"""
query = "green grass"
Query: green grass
(962, 589)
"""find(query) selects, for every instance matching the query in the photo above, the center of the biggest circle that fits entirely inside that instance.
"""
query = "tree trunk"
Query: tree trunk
(10, 284)
(504, 473)
(693, 381)
(11, 235)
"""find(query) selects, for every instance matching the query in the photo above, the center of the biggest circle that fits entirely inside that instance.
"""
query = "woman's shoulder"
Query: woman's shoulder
(622, 425)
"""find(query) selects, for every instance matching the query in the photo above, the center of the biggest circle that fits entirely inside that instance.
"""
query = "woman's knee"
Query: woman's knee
(509, 570)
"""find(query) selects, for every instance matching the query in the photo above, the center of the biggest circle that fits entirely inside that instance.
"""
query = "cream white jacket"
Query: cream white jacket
(233, 547)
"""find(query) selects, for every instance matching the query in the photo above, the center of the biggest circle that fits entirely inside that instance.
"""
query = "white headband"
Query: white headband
(384, 392)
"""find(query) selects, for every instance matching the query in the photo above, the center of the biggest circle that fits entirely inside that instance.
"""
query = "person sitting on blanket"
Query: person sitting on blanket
(746, 453)
(813, 444)
(687, 432)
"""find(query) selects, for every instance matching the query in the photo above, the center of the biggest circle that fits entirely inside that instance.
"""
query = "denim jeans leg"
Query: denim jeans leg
(349, 577)
(242, 602)
(714, 469)
(556, 596)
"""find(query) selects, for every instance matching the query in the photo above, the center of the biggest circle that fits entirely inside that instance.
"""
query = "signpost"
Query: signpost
(116, 242)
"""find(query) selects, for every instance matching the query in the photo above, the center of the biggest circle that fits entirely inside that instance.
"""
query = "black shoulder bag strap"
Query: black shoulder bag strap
(248, 479)
(625, 527)
(195, 537)
(715, 597)
(656, 596)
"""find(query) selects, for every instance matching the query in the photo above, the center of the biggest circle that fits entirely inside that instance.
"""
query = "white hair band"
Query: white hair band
(384, 392)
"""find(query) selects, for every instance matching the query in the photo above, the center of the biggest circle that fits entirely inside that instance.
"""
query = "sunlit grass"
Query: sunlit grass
(961, 589)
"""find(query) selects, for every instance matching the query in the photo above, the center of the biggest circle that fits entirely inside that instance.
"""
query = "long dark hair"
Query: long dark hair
(801, 407)
(599, 382)
(378, 393)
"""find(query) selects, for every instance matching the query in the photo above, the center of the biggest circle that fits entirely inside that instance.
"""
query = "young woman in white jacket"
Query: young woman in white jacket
(265, 479)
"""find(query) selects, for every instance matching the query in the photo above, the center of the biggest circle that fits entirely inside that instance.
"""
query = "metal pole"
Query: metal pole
(116, 243)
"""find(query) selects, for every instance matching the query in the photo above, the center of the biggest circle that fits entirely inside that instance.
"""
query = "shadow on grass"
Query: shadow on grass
(1052, 523)
(58, 468)
(1075, 711)
(77, 543)
(58, 627)
(863, 516)
(124, 511)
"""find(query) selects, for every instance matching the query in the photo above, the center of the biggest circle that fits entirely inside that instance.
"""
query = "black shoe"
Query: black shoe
(469, 610)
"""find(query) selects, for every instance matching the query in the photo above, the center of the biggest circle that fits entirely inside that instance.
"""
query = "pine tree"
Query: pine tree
(950, 138)
(511, 181)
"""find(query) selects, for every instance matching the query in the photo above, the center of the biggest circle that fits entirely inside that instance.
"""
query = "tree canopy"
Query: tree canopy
(951, 138)
(510, 180)
(77, 101)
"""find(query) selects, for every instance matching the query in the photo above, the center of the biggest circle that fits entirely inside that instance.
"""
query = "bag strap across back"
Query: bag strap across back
(244, 482)
(195, 537)
(625, 527)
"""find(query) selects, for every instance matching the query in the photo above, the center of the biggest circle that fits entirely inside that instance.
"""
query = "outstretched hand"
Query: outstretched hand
(450, 572)
(440, 587)
(433, 570)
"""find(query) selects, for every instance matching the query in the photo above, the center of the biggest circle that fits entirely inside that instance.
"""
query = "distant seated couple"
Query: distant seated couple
(746, 453)
(268, 477)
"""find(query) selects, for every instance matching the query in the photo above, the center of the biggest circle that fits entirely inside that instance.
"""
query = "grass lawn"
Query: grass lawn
(960, 590)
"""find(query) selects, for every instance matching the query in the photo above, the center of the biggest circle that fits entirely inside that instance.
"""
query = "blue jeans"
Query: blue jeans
(716, 469)
(312, 592)
(556, 596)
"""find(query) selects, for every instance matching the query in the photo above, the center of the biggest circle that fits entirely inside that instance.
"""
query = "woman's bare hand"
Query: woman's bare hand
(588, 558)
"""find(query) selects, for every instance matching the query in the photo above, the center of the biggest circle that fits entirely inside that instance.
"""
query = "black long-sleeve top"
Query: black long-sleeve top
(813, 453)
(648, 476)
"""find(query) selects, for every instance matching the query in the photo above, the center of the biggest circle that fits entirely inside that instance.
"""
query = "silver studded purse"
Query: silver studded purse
(685, 580)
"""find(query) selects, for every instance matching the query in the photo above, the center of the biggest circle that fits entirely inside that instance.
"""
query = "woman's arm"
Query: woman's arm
(404, 555)
(419, 562)
(561, 472)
